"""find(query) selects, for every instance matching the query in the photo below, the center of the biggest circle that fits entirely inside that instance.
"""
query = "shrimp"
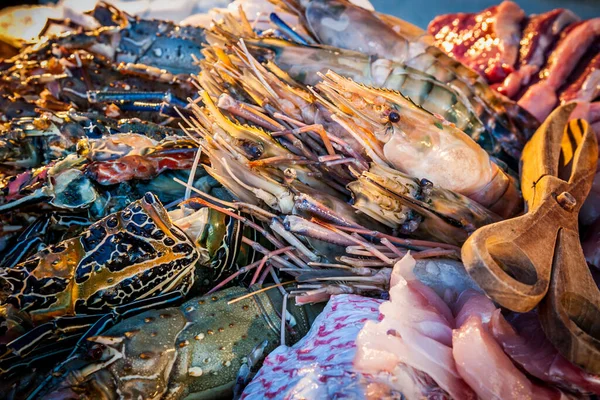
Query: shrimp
(413, 141)
(342, 24)
(393, 198)
(304, 62)
(279, 96)
(383, 197)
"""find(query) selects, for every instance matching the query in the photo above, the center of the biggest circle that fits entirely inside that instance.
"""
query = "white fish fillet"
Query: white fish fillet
(416, 331)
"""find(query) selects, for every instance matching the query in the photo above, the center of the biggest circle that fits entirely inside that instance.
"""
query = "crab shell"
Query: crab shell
(133, 254)
(195, 350)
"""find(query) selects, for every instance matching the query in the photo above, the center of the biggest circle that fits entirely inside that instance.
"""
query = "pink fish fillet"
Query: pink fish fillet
(471, 303)
(487, 369)
(587, 85)
(508, 30)
(487, 41)
(542, 97)
(481, 360)
(529, 348)
(540, 33)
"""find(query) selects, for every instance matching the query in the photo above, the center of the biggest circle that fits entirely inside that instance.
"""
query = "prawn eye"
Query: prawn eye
(394, 116)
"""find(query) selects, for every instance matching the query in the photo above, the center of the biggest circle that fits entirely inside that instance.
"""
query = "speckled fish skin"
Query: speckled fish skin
(193, 350)
(320, 365)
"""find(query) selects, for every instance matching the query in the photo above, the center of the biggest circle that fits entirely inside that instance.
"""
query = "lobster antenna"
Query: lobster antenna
(259, 291)
(190, 182)
(205, 195)
(283, 311)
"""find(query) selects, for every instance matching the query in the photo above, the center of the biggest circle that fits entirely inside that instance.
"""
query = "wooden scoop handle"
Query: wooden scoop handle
(511, 260)
(570, 313)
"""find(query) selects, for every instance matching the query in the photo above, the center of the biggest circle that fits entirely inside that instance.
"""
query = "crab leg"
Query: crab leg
(99, 96)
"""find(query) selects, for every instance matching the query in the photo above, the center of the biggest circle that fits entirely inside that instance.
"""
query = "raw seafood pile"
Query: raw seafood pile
(419, 345)
(150, 173)
(538, 60)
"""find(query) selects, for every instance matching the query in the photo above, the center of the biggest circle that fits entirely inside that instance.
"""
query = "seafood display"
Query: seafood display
(419, 345)
(270, 202)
